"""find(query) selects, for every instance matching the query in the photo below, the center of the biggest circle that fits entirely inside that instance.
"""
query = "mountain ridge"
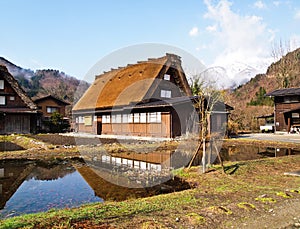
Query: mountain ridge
(280, 74)
(43, 82)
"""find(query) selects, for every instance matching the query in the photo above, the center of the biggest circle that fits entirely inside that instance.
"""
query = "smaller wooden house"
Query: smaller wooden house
(287, 108)
(48, 105)
(18, 113)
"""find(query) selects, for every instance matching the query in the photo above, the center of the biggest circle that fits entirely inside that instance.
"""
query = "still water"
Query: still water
(28, 186)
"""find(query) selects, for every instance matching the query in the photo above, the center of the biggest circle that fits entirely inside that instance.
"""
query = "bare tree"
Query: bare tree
(284, 66)
(208, 100)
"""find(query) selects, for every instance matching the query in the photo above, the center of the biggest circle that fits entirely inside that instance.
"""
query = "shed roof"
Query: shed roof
(17, 88)
(51, 97)
(285, 92)
(130, 84)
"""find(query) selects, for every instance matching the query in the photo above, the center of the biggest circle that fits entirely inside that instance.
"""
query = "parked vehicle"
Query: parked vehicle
(268, 127)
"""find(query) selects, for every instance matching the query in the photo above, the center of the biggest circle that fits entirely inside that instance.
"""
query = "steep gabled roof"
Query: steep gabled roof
(285, 92)
(17, 88)
(59, 101)
(130, 84)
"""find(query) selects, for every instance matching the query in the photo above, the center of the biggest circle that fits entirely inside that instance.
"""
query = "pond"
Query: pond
(29, 186)
(253, 152)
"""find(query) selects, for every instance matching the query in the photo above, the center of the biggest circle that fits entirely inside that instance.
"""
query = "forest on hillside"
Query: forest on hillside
(248, 99)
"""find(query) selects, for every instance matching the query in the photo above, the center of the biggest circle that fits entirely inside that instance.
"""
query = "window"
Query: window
(1, 84)
(125, 118)
(143, 118)
(2, 172)
(2, 100)
(52, 109)
(167, 77)
(113, 118)
(154, 117)
(130, 118)
(136, 117)
(80, 119)
(105, 118)
(11, 98)
(88, 120)
(165, 93)
(118, 118)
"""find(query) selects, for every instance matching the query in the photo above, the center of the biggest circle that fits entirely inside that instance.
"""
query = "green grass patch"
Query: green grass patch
(195, 218)
(283, 194)
(265, 199)
(246, 206)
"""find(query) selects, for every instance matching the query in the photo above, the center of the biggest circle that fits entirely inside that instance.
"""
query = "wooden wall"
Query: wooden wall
(43, 104)
(16, 123)
(162, 129)
(282, 119)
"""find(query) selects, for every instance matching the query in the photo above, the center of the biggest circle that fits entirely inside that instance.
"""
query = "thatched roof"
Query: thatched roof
(131, 84)
(17, 88)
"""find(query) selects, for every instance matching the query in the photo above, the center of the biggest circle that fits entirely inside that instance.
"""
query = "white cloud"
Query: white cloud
(194, 32)
(297, 14)
(276, 3)
(259, 5)
(211, 28)
(238, 38)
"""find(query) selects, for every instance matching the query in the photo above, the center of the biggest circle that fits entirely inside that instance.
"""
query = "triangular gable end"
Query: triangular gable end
(172, 68)
(17, 88)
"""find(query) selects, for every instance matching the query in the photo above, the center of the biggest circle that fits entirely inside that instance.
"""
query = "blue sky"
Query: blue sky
(72, 35)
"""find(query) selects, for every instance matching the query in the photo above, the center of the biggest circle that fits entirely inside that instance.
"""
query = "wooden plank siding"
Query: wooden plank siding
(15, 123)
(162, 129)
(282, 107)
(282, 115)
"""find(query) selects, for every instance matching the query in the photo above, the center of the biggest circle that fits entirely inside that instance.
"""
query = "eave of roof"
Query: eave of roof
(51, 97)
(284, 92)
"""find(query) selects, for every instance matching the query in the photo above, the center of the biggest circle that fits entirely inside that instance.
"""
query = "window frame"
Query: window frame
(2, 100)
(2, 84)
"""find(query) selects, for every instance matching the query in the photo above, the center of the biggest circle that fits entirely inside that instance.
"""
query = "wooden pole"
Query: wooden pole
(204, 157)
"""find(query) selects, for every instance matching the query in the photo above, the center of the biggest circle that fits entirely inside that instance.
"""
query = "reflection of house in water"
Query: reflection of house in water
(14, 172)
(99, 180)
(12, 175)
(278, 152)
(134, 170)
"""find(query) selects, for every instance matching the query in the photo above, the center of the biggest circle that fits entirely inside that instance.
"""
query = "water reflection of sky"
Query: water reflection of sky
(41, 195)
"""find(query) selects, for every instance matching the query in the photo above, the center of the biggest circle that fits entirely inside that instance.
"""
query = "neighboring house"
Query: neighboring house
(287, 108)
(151, 98)
(18, 113)
(48, 105)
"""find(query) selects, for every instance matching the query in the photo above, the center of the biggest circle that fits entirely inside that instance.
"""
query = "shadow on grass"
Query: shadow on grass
(231, 169)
